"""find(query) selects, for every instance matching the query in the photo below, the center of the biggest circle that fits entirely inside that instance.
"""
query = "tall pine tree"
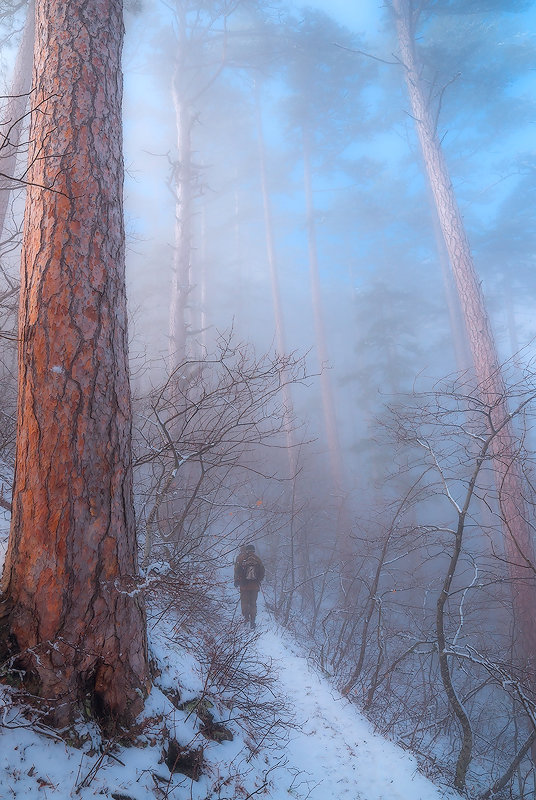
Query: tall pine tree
(75, 625)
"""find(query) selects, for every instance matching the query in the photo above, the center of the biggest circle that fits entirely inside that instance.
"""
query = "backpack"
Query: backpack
(250, 568)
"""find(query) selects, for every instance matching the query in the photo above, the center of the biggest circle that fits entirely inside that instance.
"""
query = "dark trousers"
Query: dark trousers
(248, 602)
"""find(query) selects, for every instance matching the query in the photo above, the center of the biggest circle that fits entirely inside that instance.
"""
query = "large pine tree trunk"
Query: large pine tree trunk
(71, 562)
(518, 542)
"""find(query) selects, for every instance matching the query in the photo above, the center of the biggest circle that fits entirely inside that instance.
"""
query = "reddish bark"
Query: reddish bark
(518, 541)
(72, 550)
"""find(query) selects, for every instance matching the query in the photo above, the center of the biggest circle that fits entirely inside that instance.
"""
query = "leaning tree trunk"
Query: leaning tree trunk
(518, 542)
(13, 113)
(75, 622)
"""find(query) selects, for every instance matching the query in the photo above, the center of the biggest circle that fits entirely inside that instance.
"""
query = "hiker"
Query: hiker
(248, 574)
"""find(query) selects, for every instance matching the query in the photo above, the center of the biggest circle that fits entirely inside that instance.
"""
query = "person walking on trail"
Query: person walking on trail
(248, 574)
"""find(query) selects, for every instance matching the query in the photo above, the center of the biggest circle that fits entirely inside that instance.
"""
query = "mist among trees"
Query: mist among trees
(325, 252)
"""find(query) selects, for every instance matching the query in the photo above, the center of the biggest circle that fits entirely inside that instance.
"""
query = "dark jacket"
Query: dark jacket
(248, 561)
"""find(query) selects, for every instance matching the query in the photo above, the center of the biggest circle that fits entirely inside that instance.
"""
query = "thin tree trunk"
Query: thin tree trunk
(71, 563)
(240, 295)
(181, 286)
(276, 293)
(203, 281)
(502, 782)
(328, 405)
(280, 345)
(370, 608)
(186, 93)
(13, 113)
(466, 750)
(518, 542)
(269, 232)
(342, 524)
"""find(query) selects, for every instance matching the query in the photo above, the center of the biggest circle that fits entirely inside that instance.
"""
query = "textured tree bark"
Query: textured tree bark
(12, 114)
(77, 627)
(518, 541)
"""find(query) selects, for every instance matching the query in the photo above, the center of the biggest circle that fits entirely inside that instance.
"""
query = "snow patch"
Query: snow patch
(329, 753)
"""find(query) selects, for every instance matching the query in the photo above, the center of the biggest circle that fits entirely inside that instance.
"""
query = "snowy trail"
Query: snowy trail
(332, 752)
(335, 753)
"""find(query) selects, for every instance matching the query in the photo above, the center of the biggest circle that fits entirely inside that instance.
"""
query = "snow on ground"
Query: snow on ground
(336, 751)
(329, 753)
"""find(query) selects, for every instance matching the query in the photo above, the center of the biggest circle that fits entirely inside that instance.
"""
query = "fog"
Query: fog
(305, 370)
(310, 229)
(381, 292)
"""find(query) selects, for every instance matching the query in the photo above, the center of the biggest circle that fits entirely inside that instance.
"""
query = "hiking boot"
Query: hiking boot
(253, 624)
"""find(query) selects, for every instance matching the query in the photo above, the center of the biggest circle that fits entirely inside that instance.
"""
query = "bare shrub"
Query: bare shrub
(208, 441)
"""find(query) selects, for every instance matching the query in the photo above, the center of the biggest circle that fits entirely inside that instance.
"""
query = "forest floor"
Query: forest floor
(298, 738)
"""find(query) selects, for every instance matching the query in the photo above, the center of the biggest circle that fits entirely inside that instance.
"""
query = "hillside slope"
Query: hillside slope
(315, 746)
